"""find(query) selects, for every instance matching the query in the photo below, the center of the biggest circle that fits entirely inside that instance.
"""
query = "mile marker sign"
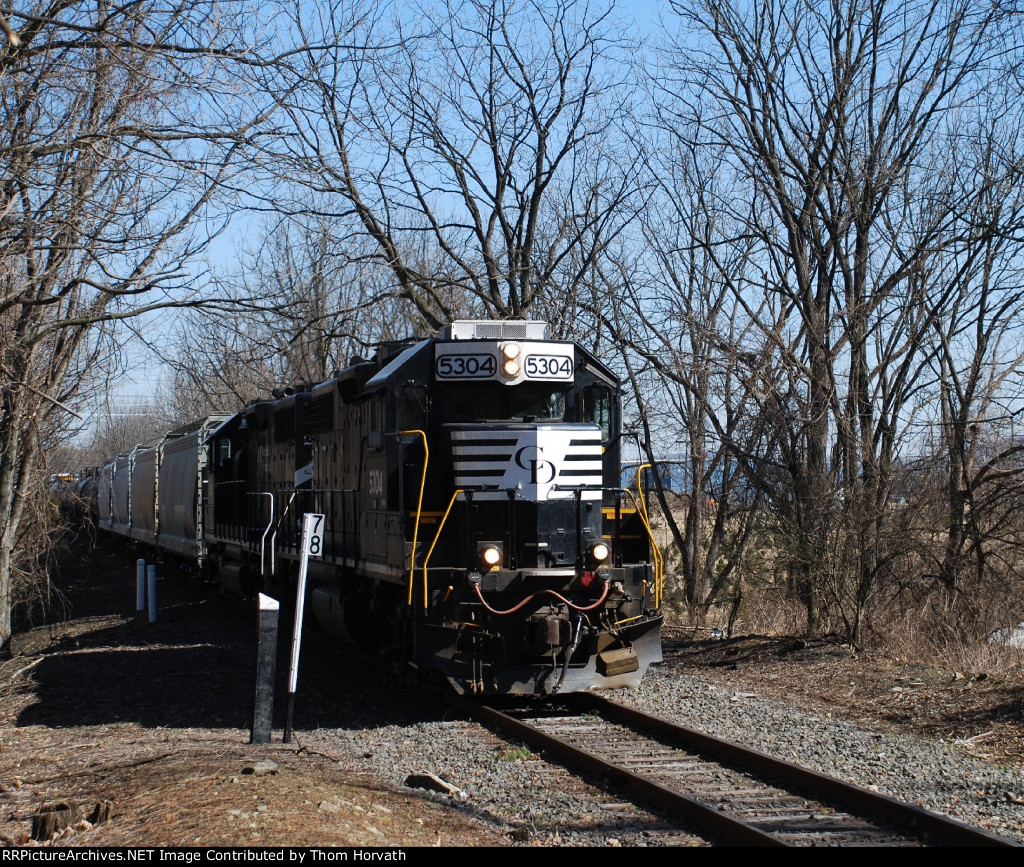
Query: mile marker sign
(312, 546)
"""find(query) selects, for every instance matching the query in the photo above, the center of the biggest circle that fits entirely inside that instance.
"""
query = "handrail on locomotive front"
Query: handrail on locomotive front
(437, 536)
(640, 486)
(416, 523)
(655, 550)
(659, 568)
(641, 510)
(659, 562)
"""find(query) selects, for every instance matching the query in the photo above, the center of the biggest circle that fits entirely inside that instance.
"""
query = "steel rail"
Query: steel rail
(915, 824)
(680, 806)
(938, 829)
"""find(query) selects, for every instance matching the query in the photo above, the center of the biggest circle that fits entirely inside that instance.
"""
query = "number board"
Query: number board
(475, 365)
(312, 535)
(538, 361)
(548, 366)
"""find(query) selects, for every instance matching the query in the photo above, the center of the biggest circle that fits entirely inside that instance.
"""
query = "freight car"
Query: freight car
(474, 523)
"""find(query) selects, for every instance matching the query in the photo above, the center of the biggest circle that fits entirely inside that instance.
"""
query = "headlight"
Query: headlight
(490, 556)
(510, 353)
(599, 552)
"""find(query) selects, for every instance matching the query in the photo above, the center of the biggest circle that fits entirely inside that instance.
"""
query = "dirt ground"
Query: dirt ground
(154, 718)
(151, 721)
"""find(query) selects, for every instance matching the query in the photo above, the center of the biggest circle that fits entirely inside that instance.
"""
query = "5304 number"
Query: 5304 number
(465, 366)
(548, 366)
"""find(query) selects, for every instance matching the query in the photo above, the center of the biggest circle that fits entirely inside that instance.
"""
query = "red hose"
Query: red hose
(514, 608)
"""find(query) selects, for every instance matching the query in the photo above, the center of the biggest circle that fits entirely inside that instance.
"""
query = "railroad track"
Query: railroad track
(728, 794)
(697, 784)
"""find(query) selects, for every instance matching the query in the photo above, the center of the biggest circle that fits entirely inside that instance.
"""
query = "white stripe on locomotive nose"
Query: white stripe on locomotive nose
(543, 462)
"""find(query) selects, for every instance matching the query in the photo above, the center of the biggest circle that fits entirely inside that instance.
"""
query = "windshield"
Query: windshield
(527, 402)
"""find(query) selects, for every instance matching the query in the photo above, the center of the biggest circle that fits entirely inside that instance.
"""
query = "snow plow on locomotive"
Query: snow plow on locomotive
(475, 524)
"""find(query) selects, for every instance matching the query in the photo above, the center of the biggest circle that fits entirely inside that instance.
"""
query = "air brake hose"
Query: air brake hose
(568, 654)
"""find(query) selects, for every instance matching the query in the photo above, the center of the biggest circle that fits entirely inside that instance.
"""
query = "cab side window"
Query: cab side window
(597, 409)
(374, 438)
(412, 407)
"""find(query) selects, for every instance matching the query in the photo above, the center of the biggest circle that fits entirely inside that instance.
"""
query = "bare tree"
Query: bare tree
(476, 143)
(107, 165)
(697, 365)
(833, 116)
(122, 427)
(305, 303)
(977, 324)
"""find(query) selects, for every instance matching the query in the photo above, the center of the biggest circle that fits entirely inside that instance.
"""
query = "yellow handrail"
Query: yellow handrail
(659, 572)
(419, 509)
(640, 487)
(437, 536)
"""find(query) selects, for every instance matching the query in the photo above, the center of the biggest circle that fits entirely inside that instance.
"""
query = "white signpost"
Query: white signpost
(312, 546)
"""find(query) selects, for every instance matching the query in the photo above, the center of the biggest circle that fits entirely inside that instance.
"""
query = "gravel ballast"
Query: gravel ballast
(521, 797)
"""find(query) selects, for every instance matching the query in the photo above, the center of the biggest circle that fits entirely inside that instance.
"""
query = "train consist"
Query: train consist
(474, 527)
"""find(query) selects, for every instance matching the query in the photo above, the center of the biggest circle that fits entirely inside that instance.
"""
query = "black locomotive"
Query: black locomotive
(475, 525)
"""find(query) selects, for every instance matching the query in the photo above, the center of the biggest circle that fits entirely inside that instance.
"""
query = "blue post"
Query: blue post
(140, 590)
(152, 594)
